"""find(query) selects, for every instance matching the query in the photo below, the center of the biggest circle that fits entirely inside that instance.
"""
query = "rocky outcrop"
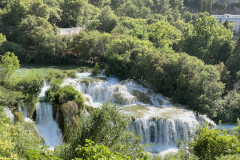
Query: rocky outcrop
(67, 117)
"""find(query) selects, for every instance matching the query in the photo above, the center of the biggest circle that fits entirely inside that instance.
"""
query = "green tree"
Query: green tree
(206, 5)
(162, 34)
(228, 108)
(100, 3)
(2, 39)
(9, 64)
(208, 41)
(37, 35)
(31, 84)
(107, 20)
(96, 69)
(39, 9)
(16, 10)
(208, 144)
(233, 61)
(89, 44)
(128, 9)
(72, 11)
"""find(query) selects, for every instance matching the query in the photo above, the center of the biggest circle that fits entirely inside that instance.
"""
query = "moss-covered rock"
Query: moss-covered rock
(160, 101)
(18, 116)
(142, 97)
(68, 115)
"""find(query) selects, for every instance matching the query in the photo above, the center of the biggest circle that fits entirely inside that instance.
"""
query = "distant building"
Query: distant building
(231, 18)
(70, 31)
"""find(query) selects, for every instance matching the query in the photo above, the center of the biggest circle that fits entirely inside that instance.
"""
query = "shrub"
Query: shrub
(230, 157)
(26, 139)
(95, 152)
(10, 98)
(16, 140)
(212, 143)
(7, 131)
(96, 69)
(40, 155)
(228, 108)
(31, 84)
(54, 74)
(65, 94)
(60, 75)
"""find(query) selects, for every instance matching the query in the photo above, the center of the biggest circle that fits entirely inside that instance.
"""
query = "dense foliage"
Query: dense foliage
(189, 57)
(209, 144)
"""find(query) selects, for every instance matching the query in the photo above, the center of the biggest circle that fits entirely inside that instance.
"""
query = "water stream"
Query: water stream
(153, 116)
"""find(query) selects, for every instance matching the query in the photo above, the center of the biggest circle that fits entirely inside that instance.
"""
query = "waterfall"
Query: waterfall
(8, 113)
(159, 122)
(47, 127)
(24, 111)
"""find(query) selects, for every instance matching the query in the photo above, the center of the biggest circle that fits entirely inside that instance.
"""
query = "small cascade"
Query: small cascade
(98, 91)
(163, 133)
(47, 127)
(25, 113)
(8, 113)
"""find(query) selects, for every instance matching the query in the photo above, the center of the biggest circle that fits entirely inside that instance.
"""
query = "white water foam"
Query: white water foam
(47, 126)
(8, 113)
(160, 124)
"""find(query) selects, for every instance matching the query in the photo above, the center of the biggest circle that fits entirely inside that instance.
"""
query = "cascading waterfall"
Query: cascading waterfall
(47, 127)
(157, 120)
(25, 113)
(164, 133)
(8, 113)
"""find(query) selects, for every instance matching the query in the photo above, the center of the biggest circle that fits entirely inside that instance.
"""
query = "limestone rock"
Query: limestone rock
(67, 118)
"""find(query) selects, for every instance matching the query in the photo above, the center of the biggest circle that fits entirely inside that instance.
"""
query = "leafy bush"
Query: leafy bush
(95, 152)
(7, 132)
(60, 75)
(27, 138)
(212, 143)
(65, 94)
(180, 155)
(230, 157)
(229, 108)
(96, 69)
(16, 140)
(10, 98)
(89, 44)
(31, 84)
(43, 154)
(9, 63)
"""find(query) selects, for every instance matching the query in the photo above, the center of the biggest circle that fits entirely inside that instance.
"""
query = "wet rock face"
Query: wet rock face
(67, 117)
